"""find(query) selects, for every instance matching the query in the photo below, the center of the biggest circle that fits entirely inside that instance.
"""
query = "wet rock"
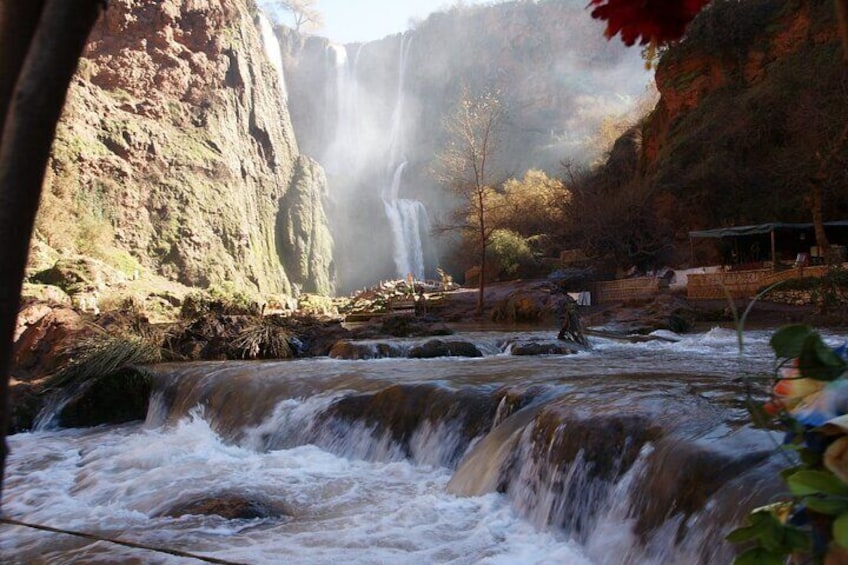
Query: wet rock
(303, 235)
(115, 398)
(317, 336)
(230, 506)
(439, 348)
(665, 312)
(24, 403)
(353, 350)
(406, 326)
(681, 477)
(42, 347)
(400, 410)
(545, 348)
(574, 460)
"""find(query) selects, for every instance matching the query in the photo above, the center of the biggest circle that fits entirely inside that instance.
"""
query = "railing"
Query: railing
(743, 284)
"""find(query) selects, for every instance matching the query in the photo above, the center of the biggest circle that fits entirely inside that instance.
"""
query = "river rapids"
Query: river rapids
(628, 453)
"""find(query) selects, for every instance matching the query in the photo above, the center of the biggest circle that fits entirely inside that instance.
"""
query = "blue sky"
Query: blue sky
(349, 21)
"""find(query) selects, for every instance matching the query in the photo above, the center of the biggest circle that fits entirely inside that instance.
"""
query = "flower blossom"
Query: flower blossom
(647, 21)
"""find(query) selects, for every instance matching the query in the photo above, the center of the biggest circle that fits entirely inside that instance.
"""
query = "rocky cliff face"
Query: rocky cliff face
(176, 152)
(752, 106)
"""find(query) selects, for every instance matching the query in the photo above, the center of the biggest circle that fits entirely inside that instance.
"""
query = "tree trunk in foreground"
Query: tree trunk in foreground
(45, 55)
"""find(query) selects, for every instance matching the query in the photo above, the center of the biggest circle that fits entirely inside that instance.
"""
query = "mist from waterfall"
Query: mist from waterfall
(408, 218)
(271, 45)
(361, 154)
(363, 110)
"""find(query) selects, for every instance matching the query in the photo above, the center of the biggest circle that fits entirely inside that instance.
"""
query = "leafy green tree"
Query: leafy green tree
(511, 252)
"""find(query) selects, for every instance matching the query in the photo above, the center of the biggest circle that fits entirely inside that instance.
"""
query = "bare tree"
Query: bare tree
(304, 13)
(465, 168)
(40, 45)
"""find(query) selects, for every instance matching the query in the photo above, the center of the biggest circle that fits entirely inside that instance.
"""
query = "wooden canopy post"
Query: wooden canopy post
(773, 250)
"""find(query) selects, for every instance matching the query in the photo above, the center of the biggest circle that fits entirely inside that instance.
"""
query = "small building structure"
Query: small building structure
(765, 245)
(761, 255)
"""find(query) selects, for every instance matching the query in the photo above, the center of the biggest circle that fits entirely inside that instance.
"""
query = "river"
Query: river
(628, 453)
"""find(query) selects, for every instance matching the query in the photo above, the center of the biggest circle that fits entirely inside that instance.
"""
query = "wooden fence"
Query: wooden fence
(742, 284)
(641, 288)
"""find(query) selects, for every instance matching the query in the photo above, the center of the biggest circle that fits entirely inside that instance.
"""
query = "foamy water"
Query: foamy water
(353, 497)
(116, 480)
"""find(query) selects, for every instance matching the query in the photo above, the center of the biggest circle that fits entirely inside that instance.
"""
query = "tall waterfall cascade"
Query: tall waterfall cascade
(271, 45)
(408, 218)
(364, 150)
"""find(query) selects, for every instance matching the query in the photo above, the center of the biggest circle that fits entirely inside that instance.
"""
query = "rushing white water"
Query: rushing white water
(122, 480)
(410, 227)
(352, 491)
(272, 50)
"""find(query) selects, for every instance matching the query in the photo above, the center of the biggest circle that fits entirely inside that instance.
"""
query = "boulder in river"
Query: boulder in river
(346, 349)
(545, 348)
(228, 505)
(439, 348)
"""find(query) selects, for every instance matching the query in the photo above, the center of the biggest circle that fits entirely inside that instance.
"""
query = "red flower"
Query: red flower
(645, 21)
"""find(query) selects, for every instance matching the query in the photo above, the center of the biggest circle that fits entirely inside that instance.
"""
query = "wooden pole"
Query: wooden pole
(773, 250)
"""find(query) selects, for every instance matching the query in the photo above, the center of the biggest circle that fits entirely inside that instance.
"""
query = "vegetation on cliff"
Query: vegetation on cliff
(176, 157)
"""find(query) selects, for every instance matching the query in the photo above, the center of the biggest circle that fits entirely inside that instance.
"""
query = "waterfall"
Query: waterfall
(345, 152)
(364, 153)
(410, 227)
(397, 138)
(272, 50)
(408, 218)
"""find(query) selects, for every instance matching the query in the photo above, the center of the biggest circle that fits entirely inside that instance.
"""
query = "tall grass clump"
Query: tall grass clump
(103, 355)
(263, 338)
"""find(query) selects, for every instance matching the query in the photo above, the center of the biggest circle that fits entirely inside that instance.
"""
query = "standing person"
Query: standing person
(421, 304)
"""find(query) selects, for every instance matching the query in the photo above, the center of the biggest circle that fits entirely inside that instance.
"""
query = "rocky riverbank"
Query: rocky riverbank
(56, 332)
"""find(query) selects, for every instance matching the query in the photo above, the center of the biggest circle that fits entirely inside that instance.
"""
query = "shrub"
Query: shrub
(231, 303)
(263, 338)
(511, 251)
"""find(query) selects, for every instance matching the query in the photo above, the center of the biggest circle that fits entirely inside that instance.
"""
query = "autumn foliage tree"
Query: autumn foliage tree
(533, 207)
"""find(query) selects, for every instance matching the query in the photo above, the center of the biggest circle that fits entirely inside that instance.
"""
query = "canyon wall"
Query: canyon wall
(176, 155)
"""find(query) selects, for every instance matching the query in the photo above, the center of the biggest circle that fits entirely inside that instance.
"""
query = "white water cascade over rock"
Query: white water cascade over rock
(410, 228)
(271, 45)
(621, 454)
(408, 218)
